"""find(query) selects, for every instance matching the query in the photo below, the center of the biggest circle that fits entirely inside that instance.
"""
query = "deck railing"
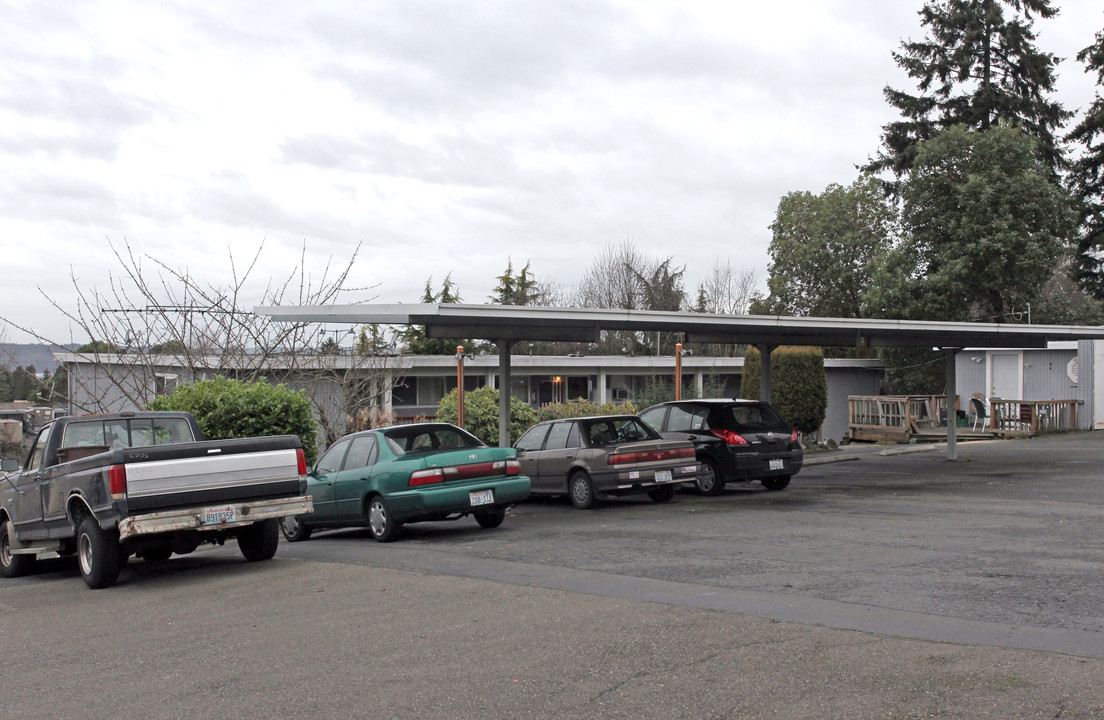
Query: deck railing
(1030, 417)
(901, 417)
(893, 417)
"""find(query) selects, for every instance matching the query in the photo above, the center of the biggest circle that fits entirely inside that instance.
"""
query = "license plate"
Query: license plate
(481, 497)
(219, 515)
(777, 464)
(663, 476)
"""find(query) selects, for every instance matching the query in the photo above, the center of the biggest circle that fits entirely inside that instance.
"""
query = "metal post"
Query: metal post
(952, 411)
(504, 383)
(678, 371)
(460, 385)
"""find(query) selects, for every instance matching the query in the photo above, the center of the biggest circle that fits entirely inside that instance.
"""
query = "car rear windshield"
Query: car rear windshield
(617, 430)
(125, 433)
(403, 440)
(748, 418)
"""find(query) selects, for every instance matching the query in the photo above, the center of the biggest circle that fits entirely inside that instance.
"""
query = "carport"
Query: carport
(504, 325)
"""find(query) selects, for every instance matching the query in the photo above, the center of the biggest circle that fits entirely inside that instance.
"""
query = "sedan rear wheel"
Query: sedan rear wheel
(581, 490)
(708, 481)
(294, 529)
(662, 494)
(381, 524)
(490, 518)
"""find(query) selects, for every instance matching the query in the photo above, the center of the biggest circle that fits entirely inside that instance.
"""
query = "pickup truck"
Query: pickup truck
(105, 487)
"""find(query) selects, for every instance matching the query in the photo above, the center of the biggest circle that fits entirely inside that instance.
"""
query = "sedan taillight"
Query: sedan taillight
(793, 436)
(426, 477)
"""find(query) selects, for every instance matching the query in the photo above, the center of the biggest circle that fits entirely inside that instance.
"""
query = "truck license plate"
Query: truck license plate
(219, 515)
(777, 464)
(663, 476)
(481, 497)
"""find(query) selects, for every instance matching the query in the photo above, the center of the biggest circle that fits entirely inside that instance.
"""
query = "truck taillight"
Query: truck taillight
(116, 480)
(301, 457)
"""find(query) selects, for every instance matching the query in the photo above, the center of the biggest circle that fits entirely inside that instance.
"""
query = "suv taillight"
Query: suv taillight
(730, 437)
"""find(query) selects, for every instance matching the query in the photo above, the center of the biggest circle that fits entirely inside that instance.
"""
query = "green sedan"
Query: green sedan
(409, 473)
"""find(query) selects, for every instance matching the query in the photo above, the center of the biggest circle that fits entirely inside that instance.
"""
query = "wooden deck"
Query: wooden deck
(901, 418)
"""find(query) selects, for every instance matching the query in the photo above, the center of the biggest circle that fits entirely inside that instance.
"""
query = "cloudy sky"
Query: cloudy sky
(443, 137)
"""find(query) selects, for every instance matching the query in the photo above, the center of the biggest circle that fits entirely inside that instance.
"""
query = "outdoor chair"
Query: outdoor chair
(981, 412)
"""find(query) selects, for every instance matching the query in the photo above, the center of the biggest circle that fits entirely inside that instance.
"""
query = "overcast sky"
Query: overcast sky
(444, 137)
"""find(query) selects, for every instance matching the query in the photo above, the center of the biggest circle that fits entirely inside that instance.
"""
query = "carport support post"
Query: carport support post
(504, 347)
(952, 411)
(764, 371)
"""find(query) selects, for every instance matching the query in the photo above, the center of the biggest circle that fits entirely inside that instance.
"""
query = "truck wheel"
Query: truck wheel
(490, 518)
(13, 565)
(259, 540)
(294, 529)
(97, 554)
(581, 490)
(776, 483)
(381, 523)
(709, 481)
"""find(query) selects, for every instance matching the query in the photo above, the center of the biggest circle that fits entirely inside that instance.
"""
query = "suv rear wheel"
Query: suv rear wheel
(709, 480)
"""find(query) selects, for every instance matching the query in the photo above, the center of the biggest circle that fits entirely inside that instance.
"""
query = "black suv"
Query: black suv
(734, 440)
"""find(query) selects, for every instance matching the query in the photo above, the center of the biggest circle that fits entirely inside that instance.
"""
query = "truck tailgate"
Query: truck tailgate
(162, 484)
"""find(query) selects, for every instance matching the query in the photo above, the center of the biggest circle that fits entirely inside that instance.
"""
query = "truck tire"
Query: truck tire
(259, 540)
(97, 554)
(12, 566)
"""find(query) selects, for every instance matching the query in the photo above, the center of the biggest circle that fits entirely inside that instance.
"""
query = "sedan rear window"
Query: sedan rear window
(403, 440)
(617, 430)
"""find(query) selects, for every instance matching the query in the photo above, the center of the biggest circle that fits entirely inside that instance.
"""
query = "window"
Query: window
(420, 438)
(139, 432)
(39, 450)
(430, 390)
(164, 384)
(654, 417)
(562, 435)
(534, 439)
(687, 418)
(362, 452)
(331, 461)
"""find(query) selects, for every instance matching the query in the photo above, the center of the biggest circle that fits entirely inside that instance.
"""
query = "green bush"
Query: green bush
(226, 408)
(583, 408)
(799, 388)
(481, 414)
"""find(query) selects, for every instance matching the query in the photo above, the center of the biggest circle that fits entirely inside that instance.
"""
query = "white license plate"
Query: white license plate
(663, 476)
(777, 464)
(481, 497)
(219, 515)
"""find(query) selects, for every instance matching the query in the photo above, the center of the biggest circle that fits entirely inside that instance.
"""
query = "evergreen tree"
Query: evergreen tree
(413, 338)
(979, 68)
(520, 289)
(1086, 180)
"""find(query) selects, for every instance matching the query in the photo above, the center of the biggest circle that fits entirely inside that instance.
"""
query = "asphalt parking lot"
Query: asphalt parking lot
(887, 586)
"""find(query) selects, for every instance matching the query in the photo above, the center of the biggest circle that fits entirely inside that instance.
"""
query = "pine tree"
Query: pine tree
(976, 68)
(413, 338)
(1086, 180)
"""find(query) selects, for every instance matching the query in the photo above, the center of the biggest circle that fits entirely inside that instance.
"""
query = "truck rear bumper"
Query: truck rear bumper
(195, 518)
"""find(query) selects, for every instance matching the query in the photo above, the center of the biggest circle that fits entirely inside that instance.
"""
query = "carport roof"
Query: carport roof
(512, 323)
